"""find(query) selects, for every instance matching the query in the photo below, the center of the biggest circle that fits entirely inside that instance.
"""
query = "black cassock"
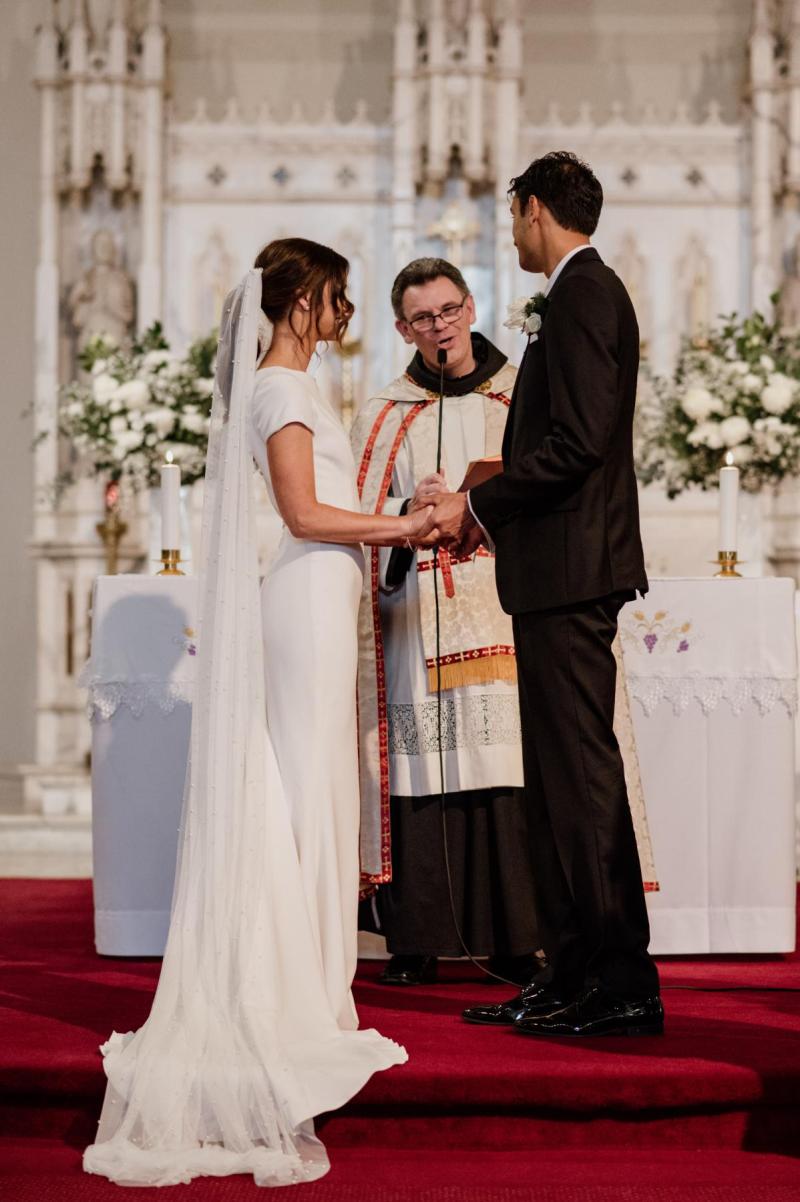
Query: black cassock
(490, 871)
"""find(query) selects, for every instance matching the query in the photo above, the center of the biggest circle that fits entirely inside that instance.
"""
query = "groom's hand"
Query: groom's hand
(469, 545)
(452, 518)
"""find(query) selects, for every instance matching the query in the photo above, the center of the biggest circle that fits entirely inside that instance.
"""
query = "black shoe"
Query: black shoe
(596, 1012)
(533, 1000)
(410, 970)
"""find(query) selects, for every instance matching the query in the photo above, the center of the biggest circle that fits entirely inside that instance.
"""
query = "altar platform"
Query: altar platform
(708, 1113)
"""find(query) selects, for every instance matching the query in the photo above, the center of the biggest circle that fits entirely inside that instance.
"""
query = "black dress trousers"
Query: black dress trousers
(589, 896)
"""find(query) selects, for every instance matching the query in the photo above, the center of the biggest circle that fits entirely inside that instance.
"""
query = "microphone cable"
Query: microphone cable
(441, 359)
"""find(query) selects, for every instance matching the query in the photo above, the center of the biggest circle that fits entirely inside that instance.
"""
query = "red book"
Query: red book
(480, 470)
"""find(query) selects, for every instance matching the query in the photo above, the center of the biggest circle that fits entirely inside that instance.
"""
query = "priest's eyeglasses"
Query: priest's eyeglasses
(427, 321)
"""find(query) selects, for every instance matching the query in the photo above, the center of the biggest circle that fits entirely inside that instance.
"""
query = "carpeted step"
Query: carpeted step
(384, 1174)
(726, 1074)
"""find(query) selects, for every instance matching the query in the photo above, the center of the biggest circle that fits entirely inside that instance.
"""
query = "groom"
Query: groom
(563, 516)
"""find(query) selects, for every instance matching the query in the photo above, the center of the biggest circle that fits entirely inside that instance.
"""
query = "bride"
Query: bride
(252, 1030)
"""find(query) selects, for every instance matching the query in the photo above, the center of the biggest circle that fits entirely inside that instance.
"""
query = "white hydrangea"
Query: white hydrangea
(194, 422)
(734, 430)
(779, 393)
(125, 442)
(767, 362)
(133, 394)
(204, 385)
(153, 360)
(707, 434)
(118, 424)
(772, 435)
(162, 420)
(103, 388)
(99, 367)
(752, 383)
(699, 404)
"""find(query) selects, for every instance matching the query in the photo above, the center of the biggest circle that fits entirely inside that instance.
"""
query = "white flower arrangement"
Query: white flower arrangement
(738, 391)
(135, 404)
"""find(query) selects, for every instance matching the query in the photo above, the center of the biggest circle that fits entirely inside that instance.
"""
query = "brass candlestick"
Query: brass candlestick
(112, 530)
(170, 560)
(727, 561)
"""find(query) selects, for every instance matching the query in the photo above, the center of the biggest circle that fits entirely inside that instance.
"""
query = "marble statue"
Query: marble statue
(789, 304)
(102, 300)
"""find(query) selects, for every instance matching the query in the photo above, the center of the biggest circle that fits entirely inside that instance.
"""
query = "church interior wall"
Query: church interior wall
(19, 156)
(635, 53)
(279, 122)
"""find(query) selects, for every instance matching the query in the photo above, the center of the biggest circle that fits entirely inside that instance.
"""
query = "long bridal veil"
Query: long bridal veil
(240, 1049)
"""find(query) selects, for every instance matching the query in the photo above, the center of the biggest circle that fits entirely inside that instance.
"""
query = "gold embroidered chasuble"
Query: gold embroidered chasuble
(476, 642)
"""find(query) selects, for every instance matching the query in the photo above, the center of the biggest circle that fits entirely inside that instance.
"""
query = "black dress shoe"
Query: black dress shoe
(410, 970)
(596, 1012)
(533, 1000)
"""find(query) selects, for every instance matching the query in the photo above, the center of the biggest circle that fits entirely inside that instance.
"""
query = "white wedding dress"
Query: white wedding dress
(252, 1029)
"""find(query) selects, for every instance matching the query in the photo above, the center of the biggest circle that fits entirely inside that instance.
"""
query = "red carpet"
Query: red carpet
(710, 1111)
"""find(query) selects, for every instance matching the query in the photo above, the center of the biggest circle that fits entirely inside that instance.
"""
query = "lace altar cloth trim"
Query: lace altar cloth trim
(481, 721)
(764, 692)
(106, 697)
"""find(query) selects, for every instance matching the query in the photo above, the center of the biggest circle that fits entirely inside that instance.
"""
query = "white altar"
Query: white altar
(712, 673)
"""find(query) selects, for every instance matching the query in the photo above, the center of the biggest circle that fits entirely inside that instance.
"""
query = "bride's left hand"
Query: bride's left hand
(431, 486)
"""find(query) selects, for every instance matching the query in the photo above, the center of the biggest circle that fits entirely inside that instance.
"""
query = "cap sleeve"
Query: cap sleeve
(280, 399)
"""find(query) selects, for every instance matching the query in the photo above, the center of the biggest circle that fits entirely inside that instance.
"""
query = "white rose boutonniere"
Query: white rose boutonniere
(526, 313)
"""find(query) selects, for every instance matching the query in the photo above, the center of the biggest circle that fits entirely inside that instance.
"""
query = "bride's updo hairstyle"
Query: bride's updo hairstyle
(295, 267)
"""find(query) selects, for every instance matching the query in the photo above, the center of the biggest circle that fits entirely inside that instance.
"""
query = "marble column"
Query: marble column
(436, 168)
(762, 79)
(474, 164)
(505, 164)
(151, 167)
(405, 147)
(117, 67)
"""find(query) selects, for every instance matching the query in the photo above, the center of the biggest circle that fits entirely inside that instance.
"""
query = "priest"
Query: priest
(404, 826)
(442, 876)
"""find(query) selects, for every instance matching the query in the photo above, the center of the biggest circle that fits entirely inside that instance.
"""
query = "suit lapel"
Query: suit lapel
(582, 256)
(506, 450)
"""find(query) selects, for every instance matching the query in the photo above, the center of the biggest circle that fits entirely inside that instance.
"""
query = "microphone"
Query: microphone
(441, 359)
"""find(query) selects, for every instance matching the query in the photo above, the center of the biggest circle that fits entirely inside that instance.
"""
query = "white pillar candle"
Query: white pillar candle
(170, 505)
(728, 505)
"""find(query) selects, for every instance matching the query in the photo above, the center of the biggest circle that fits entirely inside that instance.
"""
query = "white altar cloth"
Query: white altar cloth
(140, 679)
(712, 674)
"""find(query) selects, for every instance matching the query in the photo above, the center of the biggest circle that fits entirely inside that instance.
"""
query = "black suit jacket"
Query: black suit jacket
(564, 513)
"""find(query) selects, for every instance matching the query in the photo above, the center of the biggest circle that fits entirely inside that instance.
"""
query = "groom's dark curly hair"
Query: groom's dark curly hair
(566, 185)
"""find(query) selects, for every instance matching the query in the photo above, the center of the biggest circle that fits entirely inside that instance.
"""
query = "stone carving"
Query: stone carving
(632, 270)
(695, 274)
(789, 304)
(214, 276)
(102, 300)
